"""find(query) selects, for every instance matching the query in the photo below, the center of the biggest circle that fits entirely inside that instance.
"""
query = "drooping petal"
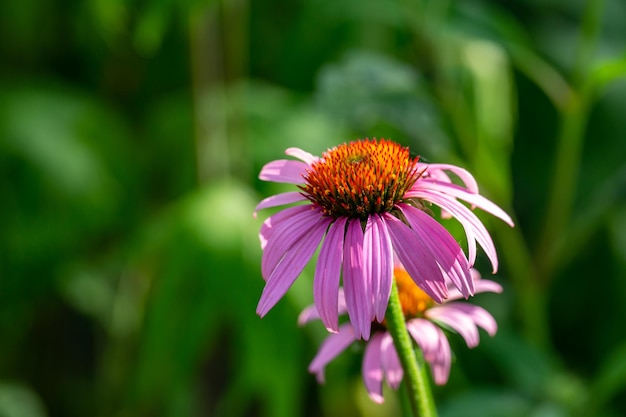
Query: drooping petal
(417, 259)
(447, 251)
(460, 192)
(308, 314)
(332, 346)
(391, 362)
(279, 200)
(372, 369)
(358, 296)
(478, 315)
(471, 246)
(435, 347)
(437, 171)
(301, 155)
(457, 320)
(328, 274)
(284, 234)
(270, 225)
(485, 285)
(378, 257)
(480, 285)
(283, 170)
(474, 228)
(290, 266)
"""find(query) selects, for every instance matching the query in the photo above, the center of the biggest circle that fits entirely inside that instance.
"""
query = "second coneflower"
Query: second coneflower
(423, 318)
(366, 202)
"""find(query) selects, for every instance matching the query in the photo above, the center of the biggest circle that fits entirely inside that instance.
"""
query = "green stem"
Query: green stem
(415, 370)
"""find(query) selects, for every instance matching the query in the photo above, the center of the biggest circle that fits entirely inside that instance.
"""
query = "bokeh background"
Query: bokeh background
(131, 136)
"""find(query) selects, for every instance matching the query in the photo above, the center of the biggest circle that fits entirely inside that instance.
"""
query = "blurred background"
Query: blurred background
(131, 136)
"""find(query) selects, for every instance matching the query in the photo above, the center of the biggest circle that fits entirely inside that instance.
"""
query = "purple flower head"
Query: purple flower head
(423, 315)
(365, 202)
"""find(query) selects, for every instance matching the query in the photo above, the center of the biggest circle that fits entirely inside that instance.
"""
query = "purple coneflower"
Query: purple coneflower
(366, 200)
(380, 359)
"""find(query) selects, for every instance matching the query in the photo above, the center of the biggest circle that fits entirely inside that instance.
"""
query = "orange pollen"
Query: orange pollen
(361, 178)
(413, 300)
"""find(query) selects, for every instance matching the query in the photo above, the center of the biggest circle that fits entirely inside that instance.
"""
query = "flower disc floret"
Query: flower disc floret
(413, 300)
(361, 178)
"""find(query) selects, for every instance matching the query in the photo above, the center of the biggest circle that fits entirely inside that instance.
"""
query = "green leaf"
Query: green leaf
(17, 400)
(491, 103)
(486, 403)
(202, 259)
(608, 71)
(378, 96)
(610, 380)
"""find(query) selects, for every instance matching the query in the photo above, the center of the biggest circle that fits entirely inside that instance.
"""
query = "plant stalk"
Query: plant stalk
(416, 376)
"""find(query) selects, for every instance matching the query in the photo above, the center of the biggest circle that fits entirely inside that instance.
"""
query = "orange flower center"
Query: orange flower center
(361, 178)
(414, 301)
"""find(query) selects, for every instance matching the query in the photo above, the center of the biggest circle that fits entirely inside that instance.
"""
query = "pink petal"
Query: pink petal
(481, 285)
(456, 319)
(308, 314)
(285, 233)
(417, 259)
(391, 362)
(290, 266)
(328, 274)
(435, 347)
(474, 228)
(331, 347)
(358, 296)
(485, 285)
(447, 251)
(279, 200)
(283, 170)
(460, 192)
(437, 171)
(378, 263)
(270, 224)
(471, 246)
(478, 315)
(372, 369)
(302, 155)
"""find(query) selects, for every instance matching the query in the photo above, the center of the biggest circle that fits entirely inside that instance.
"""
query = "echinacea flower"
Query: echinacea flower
(380, 359)
(366, 201)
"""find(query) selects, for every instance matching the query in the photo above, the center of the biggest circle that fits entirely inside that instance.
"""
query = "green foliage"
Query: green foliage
(131, 136)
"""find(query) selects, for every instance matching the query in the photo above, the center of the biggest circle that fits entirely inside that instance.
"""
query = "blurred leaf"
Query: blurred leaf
(593, 215)
(276, 119)
(66, 158)
(89, 292)
(17, 400)
(43, 127)
(392, 13)
(170, 158)
(151, 27)
(486, 403)
(157, 16)
(110, 16)
(377, 96)
(608, 71)
(618, 237)
(493, 114)
(200, 329)
(523, 365)
(493, 22)
(610, 380)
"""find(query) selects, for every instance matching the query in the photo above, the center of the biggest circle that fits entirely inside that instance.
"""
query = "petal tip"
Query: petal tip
(377, 398)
